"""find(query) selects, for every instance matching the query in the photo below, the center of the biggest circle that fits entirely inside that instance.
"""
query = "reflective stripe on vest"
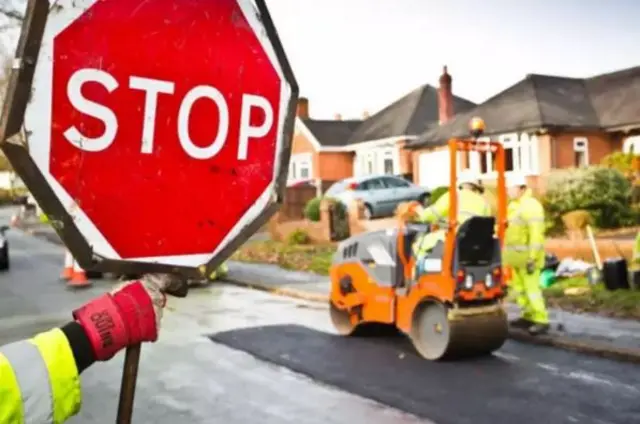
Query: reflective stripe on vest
(11, 410)
(524, 248)
(47, 386)
(33, 398)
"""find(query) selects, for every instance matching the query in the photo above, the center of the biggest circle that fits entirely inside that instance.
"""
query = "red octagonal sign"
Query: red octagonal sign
(162, 126)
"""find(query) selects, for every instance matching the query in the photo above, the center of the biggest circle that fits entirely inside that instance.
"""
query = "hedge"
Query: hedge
(603, 192)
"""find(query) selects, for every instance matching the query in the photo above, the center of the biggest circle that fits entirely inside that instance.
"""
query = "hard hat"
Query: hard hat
(516, 180)
(468, 177)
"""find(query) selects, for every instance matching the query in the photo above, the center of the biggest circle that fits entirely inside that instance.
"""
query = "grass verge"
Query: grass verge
(576, 295)
(312, 258)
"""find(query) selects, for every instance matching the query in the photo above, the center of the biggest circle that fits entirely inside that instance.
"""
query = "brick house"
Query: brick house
(318, 149)
(545, 123)
(329, 150)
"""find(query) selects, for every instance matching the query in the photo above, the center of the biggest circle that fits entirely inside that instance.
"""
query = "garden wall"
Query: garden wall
(581, 249)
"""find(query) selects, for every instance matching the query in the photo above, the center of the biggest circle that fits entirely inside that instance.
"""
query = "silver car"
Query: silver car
(380, 194)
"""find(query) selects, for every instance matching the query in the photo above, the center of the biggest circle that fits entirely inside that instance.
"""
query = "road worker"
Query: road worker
(471, 202)
(39, 378)
(524, 254)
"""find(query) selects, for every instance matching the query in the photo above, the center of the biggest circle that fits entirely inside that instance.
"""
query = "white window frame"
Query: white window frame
(525, 155)
(386, 154)
(514, 142)
(298, 162)
(371, 161)
(631, 145)
(581, 145)
(529, 154)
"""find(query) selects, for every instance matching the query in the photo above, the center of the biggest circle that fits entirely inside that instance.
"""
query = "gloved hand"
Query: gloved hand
(531, 267)
(409, 211)
(130, 314)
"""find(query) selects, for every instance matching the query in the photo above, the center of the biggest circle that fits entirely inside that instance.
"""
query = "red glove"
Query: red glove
(128, 315)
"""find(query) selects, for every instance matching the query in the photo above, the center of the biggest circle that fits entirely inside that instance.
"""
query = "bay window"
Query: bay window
(377, 161)
(521, 155)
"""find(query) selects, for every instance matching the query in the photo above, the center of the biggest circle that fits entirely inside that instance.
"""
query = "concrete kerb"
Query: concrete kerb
(281, 291)
(592, 348)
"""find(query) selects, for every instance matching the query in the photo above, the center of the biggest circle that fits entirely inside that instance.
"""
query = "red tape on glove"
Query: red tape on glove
(113, 322)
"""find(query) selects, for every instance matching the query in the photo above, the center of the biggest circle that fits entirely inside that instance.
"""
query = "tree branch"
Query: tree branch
(11, 13)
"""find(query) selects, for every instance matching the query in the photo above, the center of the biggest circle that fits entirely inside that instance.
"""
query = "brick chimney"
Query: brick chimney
(302, 110)
(445, 97)
(337, 117)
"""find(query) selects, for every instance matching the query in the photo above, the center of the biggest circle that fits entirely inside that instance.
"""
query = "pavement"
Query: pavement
(231, 354)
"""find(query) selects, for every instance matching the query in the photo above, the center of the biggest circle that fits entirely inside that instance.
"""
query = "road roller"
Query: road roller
(454, 305)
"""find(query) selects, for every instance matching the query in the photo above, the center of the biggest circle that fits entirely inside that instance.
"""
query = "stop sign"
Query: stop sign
(162, 128)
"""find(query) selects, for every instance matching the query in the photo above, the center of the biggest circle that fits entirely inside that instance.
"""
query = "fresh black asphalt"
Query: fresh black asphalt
(523, 384)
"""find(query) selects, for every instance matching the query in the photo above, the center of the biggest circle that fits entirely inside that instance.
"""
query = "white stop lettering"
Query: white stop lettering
(153, 88)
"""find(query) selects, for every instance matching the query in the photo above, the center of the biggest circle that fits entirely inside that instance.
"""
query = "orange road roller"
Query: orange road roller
(453, 306)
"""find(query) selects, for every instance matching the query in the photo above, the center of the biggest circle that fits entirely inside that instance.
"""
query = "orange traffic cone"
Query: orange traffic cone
(79, 277)
(67, 271)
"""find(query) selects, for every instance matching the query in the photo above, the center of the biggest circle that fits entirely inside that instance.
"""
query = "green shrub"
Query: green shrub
(603, 192)
(619, 161)
(312, 209)
(437, 193)
(298, 236)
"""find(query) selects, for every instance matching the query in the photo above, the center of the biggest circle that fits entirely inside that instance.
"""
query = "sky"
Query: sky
(351, 56)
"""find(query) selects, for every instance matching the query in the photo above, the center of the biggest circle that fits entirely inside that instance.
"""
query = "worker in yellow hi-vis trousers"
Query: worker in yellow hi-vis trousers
(524, 254)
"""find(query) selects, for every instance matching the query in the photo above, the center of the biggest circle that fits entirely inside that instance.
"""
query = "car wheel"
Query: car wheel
(423, 199)
(368, 212)
(4, 258)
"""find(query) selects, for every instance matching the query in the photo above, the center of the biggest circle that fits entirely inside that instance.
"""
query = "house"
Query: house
(544, 122)
(318, 150)
(329, 150)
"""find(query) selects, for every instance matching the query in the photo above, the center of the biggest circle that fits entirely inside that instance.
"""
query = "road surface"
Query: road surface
(186, 377)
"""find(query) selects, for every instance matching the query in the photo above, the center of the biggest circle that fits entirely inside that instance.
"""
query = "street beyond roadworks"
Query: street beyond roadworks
(607, 337)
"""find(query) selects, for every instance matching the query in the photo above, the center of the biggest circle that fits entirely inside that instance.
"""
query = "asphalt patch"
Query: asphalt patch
(477, 391)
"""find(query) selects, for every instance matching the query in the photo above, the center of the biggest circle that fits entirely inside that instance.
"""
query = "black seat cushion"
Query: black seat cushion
(475, 243)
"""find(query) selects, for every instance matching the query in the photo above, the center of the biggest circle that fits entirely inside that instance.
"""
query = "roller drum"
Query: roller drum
(341, 320)
(439, 333)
